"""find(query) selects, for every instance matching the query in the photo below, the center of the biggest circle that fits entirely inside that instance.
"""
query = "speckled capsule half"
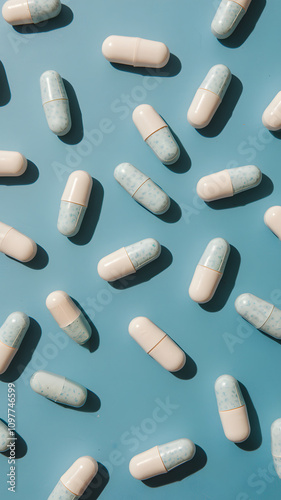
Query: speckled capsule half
(55, 102)
(276, 445)
(12, 333)
(58, 388)
(17, 12)
(5, 437)
(261, 314)
(228, 16)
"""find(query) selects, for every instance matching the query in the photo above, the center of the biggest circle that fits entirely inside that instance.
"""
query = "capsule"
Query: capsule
(142, 188)
(15, 244)
(12, 164)
(75, 480)
(228, 16)
(209, 96)
(55, 103)
(74, 202)
(11, 336)
(59, 389)
(156, 133)
(5, 437)
(209, 271)
(18, 12)
(68, 316)
(128, 260)
(136, 52)
(157, 344)
(161, 459)
(276, 445)
(232, 409)
(261, 314)
(272, 219)
(228, 182)
(271, 117)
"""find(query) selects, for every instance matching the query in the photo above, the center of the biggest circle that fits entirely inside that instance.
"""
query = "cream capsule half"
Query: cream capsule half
(276, 445)
(209, 271)
(68, 316)
(128, 260)
(59, 389)
(136, 52)
(15, 244)
(228, 182)
(232, 409)
(228, 16)
(17, 12)
(75, 480)
(5, 437)
(161, 459)
(272, 219)
(74, 202)
(156, 133)
(261, 314)
(12, 164)
(55, 102)
(142, 188)
(12, 333)
(271, 117)
(157, 344)
(209, 96)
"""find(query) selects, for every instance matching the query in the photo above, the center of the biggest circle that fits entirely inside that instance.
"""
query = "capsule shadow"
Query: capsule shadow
(40, 260)
(94, 341)
(92, 405)
(91, 217)
(225, 110)
(188, 371)
(20, 449)
(276, 133)
(29, 177)
(197, 463)
(97, 485)
(172, 68)
(264, 189)
(61, 21)
(254, 441)
(5, 93)
(246, 26)
(183, 164)
(173, 214)
(24, 354)
(76, 132)
(227, 283)
(146, 273)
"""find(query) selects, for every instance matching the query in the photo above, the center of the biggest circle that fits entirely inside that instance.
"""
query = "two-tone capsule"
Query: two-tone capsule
(228, 182)
(68, 316)
(75, 480)
(272, 219)
(161, 459)
(261, 314)
(5, 437)
(55, 102)
(276, 445)
(128, 260)
(157, 344)
(271, 117)
(142, 189)
(156, 133)
(18, 12)
(228, 16)
(136, 52)
(209, 96)
(58, 388)
(12, 164)
(12, 333)
(232, 409)
(74, 202)
(209, 271)
(15, 244)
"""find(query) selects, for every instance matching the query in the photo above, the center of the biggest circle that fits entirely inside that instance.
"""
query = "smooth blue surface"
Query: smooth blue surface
(129, 384)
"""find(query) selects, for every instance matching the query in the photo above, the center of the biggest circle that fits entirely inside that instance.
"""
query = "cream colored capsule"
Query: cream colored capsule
(271, 117)
(15, 244)
(75, 480)
(12, 164)
(59, 389)
(136, 52)
(17, 12)
(232, 409)
(12, 333)
(157, 344)
(272, 219)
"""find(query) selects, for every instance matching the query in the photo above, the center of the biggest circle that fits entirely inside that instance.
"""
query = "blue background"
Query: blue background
(137, 404)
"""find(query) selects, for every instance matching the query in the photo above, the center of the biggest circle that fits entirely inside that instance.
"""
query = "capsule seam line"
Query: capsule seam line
(162, 460)
(29, 11)
(58, 99)
(157, 344)
(67, 488)
(136, 50)
(7, 345)
(73, 202)
(130, 259)
(63, 382)
(160, 128)
(231, 409)
(235, 1)
(140, 186)
(219, 272)
(207, 90)
(267, 318)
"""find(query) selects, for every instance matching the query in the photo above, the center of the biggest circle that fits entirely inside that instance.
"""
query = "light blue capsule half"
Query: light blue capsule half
(228, 393)
(60, 492)
(79, 330)
(227, 18)
(142, 188)
(55, 102)
(176, 452)
(5, 437)
(70, 218)
(243, 178)
(217, 80)
(164, 146)
(216, 255)
(41, 10)
(14, 329)
(143, 252)
(276, 445)
(261, 314)
(58, 388)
